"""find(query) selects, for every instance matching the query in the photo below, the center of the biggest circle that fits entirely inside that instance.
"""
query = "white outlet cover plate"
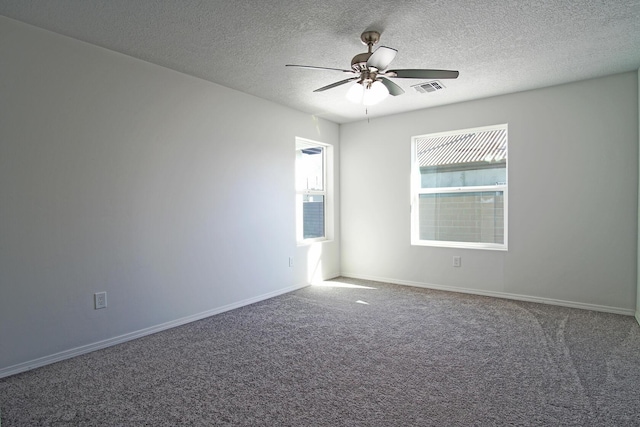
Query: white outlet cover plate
(100, 300)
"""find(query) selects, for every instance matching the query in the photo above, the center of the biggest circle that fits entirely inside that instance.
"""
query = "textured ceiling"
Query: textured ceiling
(498, 46)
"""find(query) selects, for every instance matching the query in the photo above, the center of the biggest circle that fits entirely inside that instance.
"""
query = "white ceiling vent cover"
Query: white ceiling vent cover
(428, 87)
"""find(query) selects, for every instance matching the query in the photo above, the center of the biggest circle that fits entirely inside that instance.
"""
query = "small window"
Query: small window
(459, 188)
(312, 197)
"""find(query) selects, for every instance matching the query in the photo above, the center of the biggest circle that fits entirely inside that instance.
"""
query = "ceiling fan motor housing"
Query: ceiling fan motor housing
(359, 62)
(367, 78)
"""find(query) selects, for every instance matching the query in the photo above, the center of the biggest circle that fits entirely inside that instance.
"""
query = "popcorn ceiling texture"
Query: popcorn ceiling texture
(498, 47)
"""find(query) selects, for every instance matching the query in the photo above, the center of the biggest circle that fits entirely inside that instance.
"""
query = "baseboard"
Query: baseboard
(504, 295)
(67, 354)
(329, 276)
(638, 316)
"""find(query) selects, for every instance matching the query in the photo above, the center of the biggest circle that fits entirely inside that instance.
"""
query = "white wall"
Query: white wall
(573, 197)
(638, 263)
(172, 194)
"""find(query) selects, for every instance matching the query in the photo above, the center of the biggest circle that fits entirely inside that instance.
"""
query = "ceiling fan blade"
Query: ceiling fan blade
(393, 88)
(423, 74)
(381, 58)
(332, 85)
(311, 67)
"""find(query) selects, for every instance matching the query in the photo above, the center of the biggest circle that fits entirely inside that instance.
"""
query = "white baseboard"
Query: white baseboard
(504, 295)
(67, 354)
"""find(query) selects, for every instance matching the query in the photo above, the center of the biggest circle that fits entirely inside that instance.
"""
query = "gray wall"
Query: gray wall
(638, 263)
(121, 176)
(573, 192)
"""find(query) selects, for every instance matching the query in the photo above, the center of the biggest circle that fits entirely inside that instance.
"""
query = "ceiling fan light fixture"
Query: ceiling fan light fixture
(375, 93)
(355, 93)
(367, 95)
(370, 70)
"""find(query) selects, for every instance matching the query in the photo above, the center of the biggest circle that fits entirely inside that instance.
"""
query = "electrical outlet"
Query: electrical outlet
(290, 261)
(457, 261)
(100, 300)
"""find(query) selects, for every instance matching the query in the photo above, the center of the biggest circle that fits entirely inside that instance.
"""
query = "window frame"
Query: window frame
(326, 192)
(417, 191)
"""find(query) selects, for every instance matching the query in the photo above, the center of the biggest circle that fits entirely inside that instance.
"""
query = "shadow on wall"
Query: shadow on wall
(314, 263)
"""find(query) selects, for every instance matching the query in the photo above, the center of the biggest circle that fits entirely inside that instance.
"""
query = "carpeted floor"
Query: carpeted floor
(371, 355)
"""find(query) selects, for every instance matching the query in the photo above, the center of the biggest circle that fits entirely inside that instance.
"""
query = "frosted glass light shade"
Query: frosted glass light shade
(358, 94)
(376, 93)
(355, 93)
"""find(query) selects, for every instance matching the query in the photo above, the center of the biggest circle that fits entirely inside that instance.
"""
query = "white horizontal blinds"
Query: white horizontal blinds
(460, 188)
(469, 217)
(313, 211)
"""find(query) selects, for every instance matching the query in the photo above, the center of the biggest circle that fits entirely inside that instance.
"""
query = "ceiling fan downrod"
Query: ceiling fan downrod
(370, 38)
(359, 62)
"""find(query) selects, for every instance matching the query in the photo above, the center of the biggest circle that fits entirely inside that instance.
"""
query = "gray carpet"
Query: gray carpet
(334, 356)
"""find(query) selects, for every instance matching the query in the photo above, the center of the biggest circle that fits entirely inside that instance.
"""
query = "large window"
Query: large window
(459, 188)
(312, 196)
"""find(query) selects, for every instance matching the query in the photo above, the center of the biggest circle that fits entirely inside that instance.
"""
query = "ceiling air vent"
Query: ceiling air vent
(428, 87)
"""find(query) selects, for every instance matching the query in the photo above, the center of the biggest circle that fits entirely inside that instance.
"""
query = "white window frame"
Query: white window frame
(326, 192)
(416, 191)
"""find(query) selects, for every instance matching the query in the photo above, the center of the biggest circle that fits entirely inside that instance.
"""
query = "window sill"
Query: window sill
(310, 242)
(460, 245)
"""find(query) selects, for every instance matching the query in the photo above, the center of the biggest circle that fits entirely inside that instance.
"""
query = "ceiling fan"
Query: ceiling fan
(369, 70)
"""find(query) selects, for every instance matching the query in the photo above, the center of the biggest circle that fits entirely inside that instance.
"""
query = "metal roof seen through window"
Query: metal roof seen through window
(471, 147)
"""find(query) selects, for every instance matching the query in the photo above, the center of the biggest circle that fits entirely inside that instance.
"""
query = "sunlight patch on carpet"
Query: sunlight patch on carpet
(333, 284)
